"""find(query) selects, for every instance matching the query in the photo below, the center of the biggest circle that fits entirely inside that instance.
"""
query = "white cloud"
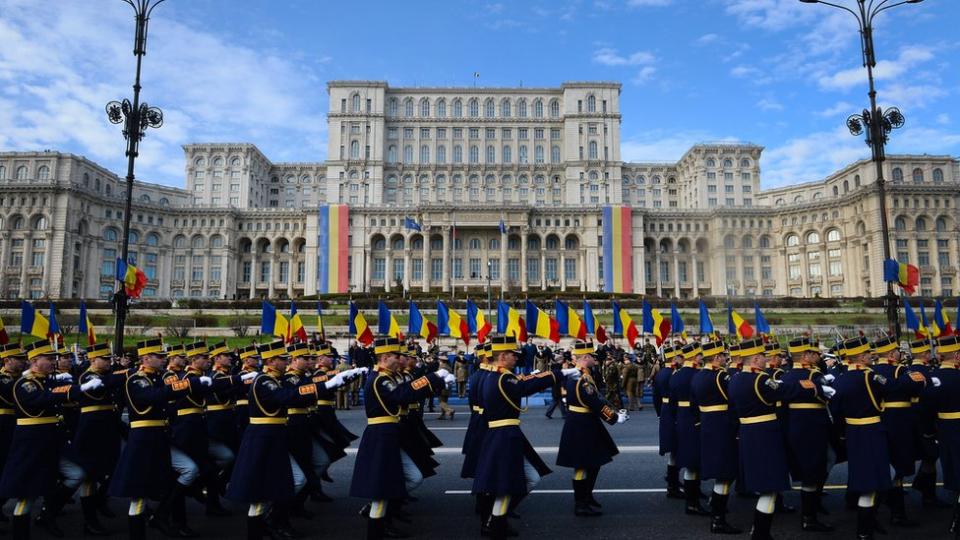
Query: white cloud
(907, 96)
(664, 145)
(943, 119)
(841, 108)
(811, 157)
(706, 39)
(886, 69)
(769, 104)
(770, 14)
(53, 91)
(744, 71)
(611, 57)
(644, 75)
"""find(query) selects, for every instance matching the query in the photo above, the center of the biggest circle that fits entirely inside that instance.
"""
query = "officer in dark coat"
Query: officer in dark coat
(477, 426)
(31, 467)
(808, 431)
(14, 362)
(221, 418)
(688, 427)
(249, 363)
(925, 421)
(508, 467)
(898, 421)
(300, 424)
(763, 453)
(143, 470)
(265, 475)
(667, 413)
(330, 437)
(383, 472)
(946, 399)
(585, 444)
(718, 432)
(857, 405)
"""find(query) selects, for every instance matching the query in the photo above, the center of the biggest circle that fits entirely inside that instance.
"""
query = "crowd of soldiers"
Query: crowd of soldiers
(764, 418)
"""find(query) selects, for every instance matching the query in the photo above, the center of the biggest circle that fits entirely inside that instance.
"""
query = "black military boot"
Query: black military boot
(91, 520)
(498, 527)
(137, 527)
(781, 507)
(591, 484)
(255, 528)
(178, 517)
(47, 520)
(297, 508)
(928, 490)
(375, 528)
(691, 489)
(581, 506)
(898, 509)
(718, 515)
(955, 524)
(809, 503)
(673, 483)
(761, 526)
(214, 508)
(865, 523)
(20, 527)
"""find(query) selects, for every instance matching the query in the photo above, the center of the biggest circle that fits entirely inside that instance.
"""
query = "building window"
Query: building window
(533, 270)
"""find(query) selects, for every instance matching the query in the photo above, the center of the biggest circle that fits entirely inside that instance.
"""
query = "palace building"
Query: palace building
(440, 188)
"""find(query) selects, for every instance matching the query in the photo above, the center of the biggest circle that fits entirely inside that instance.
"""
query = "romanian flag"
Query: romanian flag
(133, 278)
(420, 325)
(617, 249)
(928, 329)
(763, 327)
(738, 325)
(569, 321)
(450, 323)
(273, 323)
(333, 249)
(4, 338)
(297, 330)
(510, 323)
(941, 321)
(386, 323)
(86, 326)
(541, 324)
(320, 330)
(593, 327)
(655, 323)
(33, 322)
(358, 326)
(905, 275)
(54, 335)
(476, 323)
(623, 324)
(676, 321)
(706, 324)
(920, 330)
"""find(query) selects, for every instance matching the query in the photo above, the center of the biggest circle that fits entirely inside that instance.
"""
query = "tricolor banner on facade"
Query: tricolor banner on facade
(333, 249)
(617, 249)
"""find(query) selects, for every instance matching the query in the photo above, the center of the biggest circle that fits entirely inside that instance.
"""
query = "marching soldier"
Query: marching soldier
(629, 374)
(946, 399)
(250, 363)
(14, 362)
(476, 428)
(585, 445)
(330, 437)
(383, 471)
(265, 475)
(667, 413)
(446, 411)
(925, 418)
(719, 461)
(299, 425)
(611, 380)
(763, 454)
(222, 435)
(808, 431)
(508, 467)
(688, 427)
(462, 373)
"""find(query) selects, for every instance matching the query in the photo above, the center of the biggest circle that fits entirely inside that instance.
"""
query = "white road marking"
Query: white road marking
(612, 490)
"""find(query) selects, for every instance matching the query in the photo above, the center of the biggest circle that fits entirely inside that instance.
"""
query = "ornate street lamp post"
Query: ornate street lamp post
(876, 123)
(136, 117)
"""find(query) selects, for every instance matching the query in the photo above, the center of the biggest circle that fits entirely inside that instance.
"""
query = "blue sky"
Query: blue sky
(777, 73)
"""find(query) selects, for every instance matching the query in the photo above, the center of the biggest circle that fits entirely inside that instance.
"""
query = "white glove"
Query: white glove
(449, 379)
(828, 378)
(206, 381)
(622, 416)
(571, 372)
(935, 381)
(91, 384)
(249, 375)
(828, 391)
(63, 377)
(442, 373)
(534, 372)
(334, 382)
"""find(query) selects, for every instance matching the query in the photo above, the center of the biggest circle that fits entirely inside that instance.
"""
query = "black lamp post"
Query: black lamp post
(877, 124)
(136, 117)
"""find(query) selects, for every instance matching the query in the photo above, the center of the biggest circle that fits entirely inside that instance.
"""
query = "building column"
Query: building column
(27, 255)
(427, 266)
(447, 270)
(639, 271)
(676, 274)
(696, 279)
(388, 270)
(310, 273)
(503, 262)
(561, 268)
(543, 269)
(406, 270)
(227, 257)
(581, 268)
(523, 260)
(206, 274)
(367, 269)
(291, 269)
(254, 272)
(656, 270)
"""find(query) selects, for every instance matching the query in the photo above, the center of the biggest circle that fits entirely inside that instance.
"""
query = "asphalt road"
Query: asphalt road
(630, 489)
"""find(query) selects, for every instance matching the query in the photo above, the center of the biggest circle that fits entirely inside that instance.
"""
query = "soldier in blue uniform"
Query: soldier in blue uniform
(250, 363)
(857, 404)
(667, 413)
(30, 470)
(808, 431)
(14, 362)
(585, 444)
(508, 467)
(688, 428)
(221, 419)
(897, 419)
(476, 427)
(925, 418)
(265, 475)
(143, 470)
(383, 472)
(299, 425)
(946, 400)
(763, 454)
(709, 393)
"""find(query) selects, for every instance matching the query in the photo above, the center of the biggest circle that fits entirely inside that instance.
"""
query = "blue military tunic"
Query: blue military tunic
(414, 440)
(584, 442)
(188, 429)
(666, 410)
(763, 454)
(143, 470)
(221, 409)
(242, 411)
(504, 448)
(709, 393)
(300, 427)
(327, 429)
(378, 472)
(477, 426)
(262, 470)
(857, 405)
(898, 417)
(925, 415)
(31, 467)
(8, 413)
(97, 441)
(947, 403)
(808, 428)
(688, 418)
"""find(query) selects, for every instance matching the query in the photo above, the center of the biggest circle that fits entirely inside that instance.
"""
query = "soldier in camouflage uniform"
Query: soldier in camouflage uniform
(611, 378)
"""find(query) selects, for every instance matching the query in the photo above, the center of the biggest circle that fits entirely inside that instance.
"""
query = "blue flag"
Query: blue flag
(762, 326)
(676, 321)
(410, 223)
(706, 324)
(731, 329)
(647, 318)
(503, 317)
(503, 227)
